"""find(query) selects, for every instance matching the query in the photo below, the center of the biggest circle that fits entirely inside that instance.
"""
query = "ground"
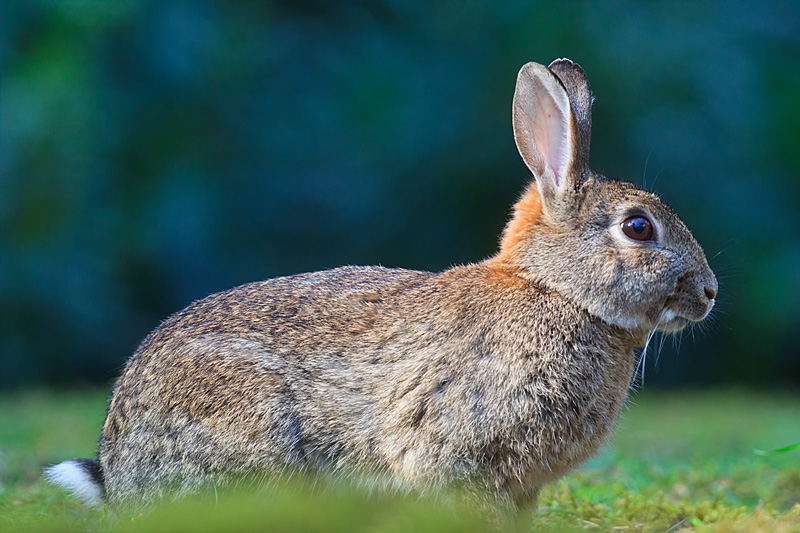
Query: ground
(679, 461)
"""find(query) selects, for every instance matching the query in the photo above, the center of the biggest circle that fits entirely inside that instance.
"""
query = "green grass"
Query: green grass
(679, 461)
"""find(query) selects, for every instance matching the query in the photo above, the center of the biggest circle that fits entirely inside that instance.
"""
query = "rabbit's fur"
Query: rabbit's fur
(500, 376)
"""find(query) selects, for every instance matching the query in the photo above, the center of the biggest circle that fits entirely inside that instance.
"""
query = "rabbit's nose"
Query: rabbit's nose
(708, 281)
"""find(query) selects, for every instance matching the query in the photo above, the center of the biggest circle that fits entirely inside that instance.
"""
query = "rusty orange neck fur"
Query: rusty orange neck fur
(527, 213)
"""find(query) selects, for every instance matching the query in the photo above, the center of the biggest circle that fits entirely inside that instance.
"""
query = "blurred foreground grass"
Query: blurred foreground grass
(679, 461)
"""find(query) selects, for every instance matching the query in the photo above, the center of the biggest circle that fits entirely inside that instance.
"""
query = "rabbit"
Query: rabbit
(499, 376)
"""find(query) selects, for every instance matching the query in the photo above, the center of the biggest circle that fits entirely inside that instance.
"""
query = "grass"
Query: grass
(679, 461)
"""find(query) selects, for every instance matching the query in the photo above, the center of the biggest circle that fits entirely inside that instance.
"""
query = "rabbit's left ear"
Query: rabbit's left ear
(551, 139)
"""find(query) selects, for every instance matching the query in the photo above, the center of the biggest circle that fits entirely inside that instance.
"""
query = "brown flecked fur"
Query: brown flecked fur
(500, 376)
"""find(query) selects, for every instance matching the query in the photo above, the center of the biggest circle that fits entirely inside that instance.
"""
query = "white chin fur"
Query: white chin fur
(671, 322)
(72, 477)
(668, 315)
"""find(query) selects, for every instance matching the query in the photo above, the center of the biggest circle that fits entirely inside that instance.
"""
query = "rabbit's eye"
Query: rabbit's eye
(638, 228)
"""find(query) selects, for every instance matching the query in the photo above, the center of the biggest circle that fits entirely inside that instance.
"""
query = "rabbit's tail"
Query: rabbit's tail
(83, 478)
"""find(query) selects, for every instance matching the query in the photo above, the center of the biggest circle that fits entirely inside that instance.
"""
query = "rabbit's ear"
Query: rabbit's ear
(580, 96)
(545, 130)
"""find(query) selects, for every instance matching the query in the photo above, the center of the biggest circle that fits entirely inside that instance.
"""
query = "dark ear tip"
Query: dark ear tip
(574, 79)
(566, 65)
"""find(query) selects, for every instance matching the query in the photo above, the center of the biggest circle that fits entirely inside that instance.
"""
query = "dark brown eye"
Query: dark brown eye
(638, 228)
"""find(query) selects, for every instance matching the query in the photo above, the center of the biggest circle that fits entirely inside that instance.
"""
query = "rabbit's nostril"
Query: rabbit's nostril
(710, 293)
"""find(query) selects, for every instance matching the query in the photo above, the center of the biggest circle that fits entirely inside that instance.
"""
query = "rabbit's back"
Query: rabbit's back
(421, 378)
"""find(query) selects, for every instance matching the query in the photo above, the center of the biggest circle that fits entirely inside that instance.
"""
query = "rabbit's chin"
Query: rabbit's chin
(672, 322)
(672, 325)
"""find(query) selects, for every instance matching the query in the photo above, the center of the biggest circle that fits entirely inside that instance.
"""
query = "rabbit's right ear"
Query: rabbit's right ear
(546, 131)
(574, 80)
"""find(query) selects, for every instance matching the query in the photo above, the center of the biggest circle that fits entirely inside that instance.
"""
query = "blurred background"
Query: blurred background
(153, 152)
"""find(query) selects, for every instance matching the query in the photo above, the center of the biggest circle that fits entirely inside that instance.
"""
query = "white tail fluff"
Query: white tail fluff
(81, 477)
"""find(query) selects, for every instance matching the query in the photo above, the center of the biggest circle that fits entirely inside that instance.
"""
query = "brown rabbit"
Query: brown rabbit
(499, 376)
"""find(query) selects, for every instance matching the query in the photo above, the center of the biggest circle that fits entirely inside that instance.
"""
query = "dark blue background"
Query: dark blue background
(154, 152)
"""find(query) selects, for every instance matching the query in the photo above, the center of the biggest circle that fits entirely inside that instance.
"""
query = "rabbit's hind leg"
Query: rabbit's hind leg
(207, 417)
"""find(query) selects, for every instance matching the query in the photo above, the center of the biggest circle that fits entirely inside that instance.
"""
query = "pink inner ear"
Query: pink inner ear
(550, 132)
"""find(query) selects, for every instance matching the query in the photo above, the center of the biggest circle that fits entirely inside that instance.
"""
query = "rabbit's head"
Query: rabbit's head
(610, 247)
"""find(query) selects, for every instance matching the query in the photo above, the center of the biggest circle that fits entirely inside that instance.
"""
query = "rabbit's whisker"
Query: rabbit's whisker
(643, 356)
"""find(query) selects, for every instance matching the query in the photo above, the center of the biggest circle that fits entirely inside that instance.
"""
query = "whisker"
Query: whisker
(727, 245)
(653, 186)
(643, 355)
(661, 340)
(644, 172)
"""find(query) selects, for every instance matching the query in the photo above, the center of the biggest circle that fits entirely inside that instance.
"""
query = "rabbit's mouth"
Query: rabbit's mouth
(682, 308)
(671, 322)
